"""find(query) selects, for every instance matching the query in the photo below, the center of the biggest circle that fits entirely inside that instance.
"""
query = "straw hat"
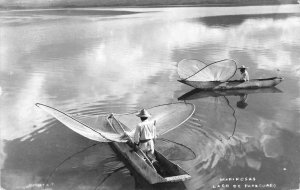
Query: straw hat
(143, 113)
(243, 67)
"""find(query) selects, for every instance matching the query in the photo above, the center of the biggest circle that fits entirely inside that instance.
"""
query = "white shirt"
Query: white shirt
(245, 76)
(144, 131)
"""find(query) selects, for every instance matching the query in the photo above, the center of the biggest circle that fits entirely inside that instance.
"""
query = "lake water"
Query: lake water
(94, 61)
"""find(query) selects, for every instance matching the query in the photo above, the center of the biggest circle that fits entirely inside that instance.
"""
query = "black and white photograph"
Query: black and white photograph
(150, 94)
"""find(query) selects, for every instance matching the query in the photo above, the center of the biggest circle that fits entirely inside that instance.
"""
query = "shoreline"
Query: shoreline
(233, 4)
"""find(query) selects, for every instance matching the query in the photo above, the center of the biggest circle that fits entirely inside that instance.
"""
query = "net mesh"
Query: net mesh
(87, 127)
(195, 70)
(167, 117)
(189, 67)
(118, 126)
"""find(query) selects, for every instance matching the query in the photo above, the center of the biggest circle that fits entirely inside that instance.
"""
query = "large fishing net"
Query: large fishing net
(103, 129)
(167, 117)
(94, 128)
(195, 70)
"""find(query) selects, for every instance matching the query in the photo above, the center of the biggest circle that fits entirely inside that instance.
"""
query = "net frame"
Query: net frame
(207, 65)
(80, 127)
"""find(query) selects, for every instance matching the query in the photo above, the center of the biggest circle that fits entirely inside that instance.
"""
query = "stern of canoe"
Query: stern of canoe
(170, 172)
(173, 172)
(137, 163)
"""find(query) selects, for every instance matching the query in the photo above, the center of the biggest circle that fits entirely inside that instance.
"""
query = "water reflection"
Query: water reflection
(221, 100)
(239, 156)
(235, 152)
(242, 103)
(77, 53)
(233, 20)
(57, 158)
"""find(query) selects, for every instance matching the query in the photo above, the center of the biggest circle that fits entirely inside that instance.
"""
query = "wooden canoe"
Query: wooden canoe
(234, 84)
(167, 171)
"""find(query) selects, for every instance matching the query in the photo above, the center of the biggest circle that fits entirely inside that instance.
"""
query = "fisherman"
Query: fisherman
(244, 73)
(145, 133)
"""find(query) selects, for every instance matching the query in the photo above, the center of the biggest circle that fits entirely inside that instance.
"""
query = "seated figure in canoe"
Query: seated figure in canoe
(145, 134)
(244, 73)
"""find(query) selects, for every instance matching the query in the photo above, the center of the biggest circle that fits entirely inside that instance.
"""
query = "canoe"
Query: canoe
(166, 171)
(234, 84)
(198, 93)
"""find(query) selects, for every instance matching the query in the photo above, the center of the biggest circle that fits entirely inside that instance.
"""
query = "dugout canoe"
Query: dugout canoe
(164, 171)
(234, 84)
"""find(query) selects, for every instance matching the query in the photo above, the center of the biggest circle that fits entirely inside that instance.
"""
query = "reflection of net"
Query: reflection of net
(195, 70)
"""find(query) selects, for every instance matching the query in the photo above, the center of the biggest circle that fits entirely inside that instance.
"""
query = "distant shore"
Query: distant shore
(144, 3)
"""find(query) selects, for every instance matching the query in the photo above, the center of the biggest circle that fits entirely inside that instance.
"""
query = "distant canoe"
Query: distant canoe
(234, 84)
(198, 94)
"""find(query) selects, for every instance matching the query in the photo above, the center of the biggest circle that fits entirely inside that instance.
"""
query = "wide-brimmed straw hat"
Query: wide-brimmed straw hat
(243, 67)
(143, 113)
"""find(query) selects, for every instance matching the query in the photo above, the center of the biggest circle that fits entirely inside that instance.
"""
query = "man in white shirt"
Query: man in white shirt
(244, 73)
(145, 132)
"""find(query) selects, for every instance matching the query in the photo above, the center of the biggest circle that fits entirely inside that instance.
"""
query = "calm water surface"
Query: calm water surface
(94, 61)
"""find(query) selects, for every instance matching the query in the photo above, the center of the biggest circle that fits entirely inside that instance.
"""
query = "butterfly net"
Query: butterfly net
(94, 128)
(195, 70)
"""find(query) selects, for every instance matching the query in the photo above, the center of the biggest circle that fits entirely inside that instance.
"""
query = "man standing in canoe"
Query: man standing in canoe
(244, 73)
(145, 132)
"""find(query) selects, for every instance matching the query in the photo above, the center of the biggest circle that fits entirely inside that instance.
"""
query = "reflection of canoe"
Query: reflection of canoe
(236, 84)
(197, 93)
